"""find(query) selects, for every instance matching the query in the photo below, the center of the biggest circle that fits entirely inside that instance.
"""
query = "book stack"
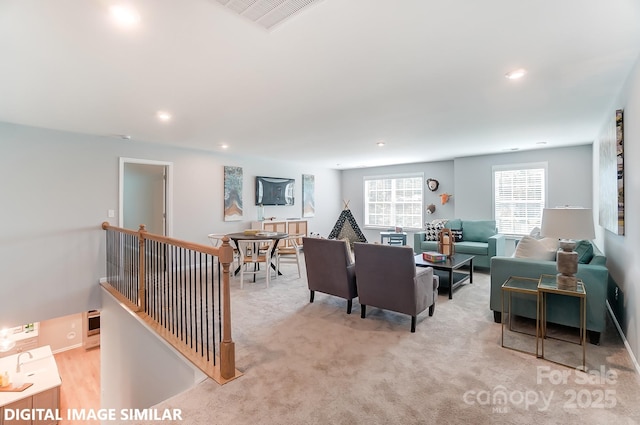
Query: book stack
(434, 257)
(268, 234)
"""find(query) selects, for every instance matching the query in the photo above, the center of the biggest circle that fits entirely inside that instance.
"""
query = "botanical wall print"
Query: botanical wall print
(611, 212)
(308, 200)
(232, 193)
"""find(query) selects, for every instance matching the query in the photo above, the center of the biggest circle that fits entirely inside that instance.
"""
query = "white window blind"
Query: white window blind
(519, 197)
(393, 201)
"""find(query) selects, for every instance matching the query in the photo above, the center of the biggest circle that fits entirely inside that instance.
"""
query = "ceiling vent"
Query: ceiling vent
(267, 13)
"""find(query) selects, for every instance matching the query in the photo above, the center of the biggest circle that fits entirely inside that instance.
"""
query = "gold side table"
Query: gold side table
(522, 285)
(547, 285)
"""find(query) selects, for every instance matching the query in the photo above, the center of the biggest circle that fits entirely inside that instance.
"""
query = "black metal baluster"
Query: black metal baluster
(181, 272)
(201, 323)
(206, 303)
(191, 301)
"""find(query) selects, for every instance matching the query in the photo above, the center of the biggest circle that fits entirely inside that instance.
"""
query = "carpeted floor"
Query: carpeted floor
(314, 364)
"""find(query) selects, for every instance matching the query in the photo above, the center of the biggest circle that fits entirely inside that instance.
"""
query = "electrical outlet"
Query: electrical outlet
(615, 294)
(111, 213)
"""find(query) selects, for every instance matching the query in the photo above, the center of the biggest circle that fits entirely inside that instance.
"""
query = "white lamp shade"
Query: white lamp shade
(568, 223)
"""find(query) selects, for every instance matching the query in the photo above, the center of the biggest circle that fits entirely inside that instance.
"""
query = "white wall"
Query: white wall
(469, 180)
(57, 188)
(568, 170)
(623, 252)
(352, 191)
(61, 333)
(137, 368)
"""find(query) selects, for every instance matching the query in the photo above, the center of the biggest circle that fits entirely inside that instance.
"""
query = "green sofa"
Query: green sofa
(560, 309)
(479, 238)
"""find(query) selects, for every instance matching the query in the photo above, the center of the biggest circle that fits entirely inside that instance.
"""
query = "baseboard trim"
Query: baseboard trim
(624, 338)
(71, 347)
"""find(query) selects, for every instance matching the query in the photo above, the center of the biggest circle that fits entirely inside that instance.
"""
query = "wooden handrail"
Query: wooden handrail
(207, 249)
(227, 370)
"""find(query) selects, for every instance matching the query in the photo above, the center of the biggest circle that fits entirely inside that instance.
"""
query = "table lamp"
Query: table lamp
(567, 224)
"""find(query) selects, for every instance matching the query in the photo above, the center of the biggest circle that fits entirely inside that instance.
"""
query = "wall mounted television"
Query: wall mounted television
(274, 191)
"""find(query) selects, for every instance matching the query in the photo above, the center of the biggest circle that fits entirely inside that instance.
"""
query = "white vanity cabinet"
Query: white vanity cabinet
(49, 400)
(25, 403)
(41, 371)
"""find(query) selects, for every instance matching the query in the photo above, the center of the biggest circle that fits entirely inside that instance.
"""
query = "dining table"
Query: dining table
(238, 236)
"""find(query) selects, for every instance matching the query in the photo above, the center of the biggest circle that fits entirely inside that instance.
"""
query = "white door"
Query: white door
(145, 195)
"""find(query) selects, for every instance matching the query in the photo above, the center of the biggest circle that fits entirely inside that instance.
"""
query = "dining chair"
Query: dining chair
(288, 251)
(216, 241)
(250, 254)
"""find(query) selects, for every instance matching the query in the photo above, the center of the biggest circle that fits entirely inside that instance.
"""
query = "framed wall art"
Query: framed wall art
(233, 193)
(611, 212)
(308, 195)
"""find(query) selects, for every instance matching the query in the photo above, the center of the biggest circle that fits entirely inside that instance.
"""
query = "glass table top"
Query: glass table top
(548, 283)
(522, 284)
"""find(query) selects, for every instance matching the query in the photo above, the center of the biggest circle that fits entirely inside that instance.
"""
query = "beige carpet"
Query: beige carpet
(314, 364)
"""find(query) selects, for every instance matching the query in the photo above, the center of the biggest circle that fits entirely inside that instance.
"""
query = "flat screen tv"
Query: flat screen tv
(274, 191)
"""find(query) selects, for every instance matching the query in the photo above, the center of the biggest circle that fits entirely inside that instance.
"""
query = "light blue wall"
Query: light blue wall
(469, 180)
(57, 188)
(352, 190)
(569, 176)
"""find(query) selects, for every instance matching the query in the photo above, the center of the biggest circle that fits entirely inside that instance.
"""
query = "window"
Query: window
(393, 201)
(520, 195)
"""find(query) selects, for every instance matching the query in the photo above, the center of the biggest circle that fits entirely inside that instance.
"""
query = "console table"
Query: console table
(394, 238)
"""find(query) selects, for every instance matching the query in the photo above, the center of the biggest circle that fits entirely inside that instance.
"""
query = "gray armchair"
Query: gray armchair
(388, 279)
(329, 269)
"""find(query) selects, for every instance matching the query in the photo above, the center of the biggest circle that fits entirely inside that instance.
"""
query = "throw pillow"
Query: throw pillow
(457, 235)
(585, 251)
(537, 249)
(432, 231)
(535, 233)
(479, 230)
(455, 224)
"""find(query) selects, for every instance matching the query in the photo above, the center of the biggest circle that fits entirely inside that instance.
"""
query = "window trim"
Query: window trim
(515, 167)
(417, 174)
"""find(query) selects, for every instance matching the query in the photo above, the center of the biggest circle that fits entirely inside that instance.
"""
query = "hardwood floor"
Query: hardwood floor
(80, 373)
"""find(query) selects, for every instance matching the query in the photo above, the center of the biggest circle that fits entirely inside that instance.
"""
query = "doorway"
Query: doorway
(145, 195)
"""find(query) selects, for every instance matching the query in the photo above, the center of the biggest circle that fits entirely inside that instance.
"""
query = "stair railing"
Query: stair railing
(180, 289)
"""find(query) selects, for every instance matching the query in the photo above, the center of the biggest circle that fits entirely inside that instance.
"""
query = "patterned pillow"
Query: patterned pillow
(432, 231)
(457, 235)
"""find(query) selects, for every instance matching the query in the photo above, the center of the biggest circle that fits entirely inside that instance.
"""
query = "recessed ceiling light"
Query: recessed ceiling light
(380, 144)
(124, 16)
(224, 146)
(163, 116)
(516, 74)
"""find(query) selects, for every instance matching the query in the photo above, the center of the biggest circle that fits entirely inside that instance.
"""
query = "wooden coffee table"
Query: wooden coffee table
(453, 262)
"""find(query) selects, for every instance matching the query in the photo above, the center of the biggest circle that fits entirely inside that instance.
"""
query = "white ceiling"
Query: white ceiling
(425, 76)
